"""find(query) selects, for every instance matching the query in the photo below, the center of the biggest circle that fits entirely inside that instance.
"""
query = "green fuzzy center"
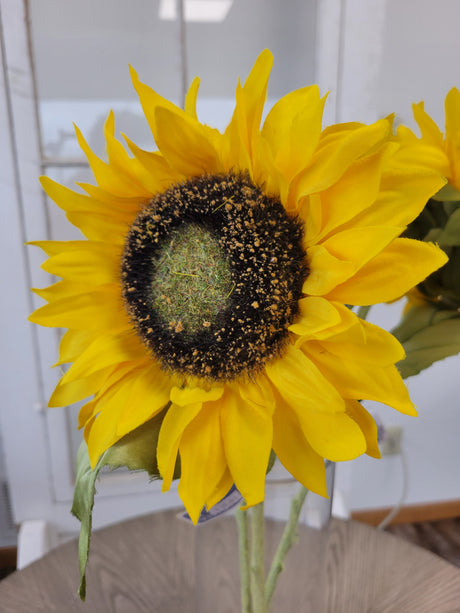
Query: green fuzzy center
(192, 280)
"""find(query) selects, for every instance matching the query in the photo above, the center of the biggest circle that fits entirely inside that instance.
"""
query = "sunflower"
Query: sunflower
(213, 286)
(434, 149)
(430, 328)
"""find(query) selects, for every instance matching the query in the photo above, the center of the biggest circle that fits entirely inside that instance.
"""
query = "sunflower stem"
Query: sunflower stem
(289, 538)
(258, 558)
(243, 546)
(363, 311)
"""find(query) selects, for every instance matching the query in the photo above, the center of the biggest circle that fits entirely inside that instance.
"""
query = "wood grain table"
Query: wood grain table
(160, 564)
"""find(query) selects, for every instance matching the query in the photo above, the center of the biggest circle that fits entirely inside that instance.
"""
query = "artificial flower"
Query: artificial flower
(214, 282)
(430, 328)
(434, 149)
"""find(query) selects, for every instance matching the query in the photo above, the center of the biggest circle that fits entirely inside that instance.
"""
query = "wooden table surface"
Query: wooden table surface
(159, 564)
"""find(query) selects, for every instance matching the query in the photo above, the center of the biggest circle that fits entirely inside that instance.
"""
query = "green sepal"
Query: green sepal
(428, 334)
(135, 451)
(447, 193)
(450, 234)
(271, 461)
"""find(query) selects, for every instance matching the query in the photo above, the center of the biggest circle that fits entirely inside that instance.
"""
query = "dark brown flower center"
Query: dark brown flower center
(212, 273)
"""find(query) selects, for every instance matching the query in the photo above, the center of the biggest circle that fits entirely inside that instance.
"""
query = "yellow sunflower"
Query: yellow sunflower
(213, 282)
(434, 149)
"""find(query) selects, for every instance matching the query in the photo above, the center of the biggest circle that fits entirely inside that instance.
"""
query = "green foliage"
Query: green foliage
(428, 334)
(136, 451)
(448, 193)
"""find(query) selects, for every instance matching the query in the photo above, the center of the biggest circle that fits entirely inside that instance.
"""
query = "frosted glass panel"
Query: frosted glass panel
(82, 51)
(420, 57)
(221, 52)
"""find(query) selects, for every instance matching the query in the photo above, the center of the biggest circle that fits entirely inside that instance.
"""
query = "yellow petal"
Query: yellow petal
(203, 462)
(302, 385)
(242, 132)
(103, 431)
(359, 245)
(54, 247)
(106, 350)
(326, 271)
(99, 309)
(101, 227)
(221, 490)
(161, 173)
(356, 191)
(130, 202)
(247, 433)
(265, 171)
(452, 112)
(114, 375)
(59, 290)
(149, 395)
(336, 436)
(257, 394)
(190, 98)
(331, 162)
(316, 314)
(68, 393)
(87, 414)
(107, 177)
(71, 201)
(295, 453)
(402, 196)
(293, 127)
(176, 420)
(185, 144)
(183, 396)
(72, 344)
(398, 268)
(368, 426)
(431, 134)
(361, 380)
(150, 101)
(349, 329)
(378, 346)
(85, 261)
(129, 168)
(85, 211)
(336, 132)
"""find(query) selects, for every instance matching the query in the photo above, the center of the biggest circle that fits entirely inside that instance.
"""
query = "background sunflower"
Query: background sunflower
(430, 330)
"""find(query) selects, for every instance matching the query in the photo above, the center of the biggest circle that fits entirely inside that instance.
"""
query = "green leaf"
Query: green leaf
(427, 334)
(416, 319)
(82, 508)
(434, 235)
(450, 236)
(136, 451)
(447, 193)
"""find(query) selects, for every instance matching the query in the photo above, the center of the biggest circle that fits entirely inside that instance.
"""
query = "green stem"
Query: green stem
(243, 542)
(363, 311)
(258, 558)
(288, 539)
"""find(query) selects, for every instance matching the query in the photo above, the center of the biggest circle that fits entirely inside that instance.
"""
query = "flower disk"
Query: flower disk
(241, 227)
